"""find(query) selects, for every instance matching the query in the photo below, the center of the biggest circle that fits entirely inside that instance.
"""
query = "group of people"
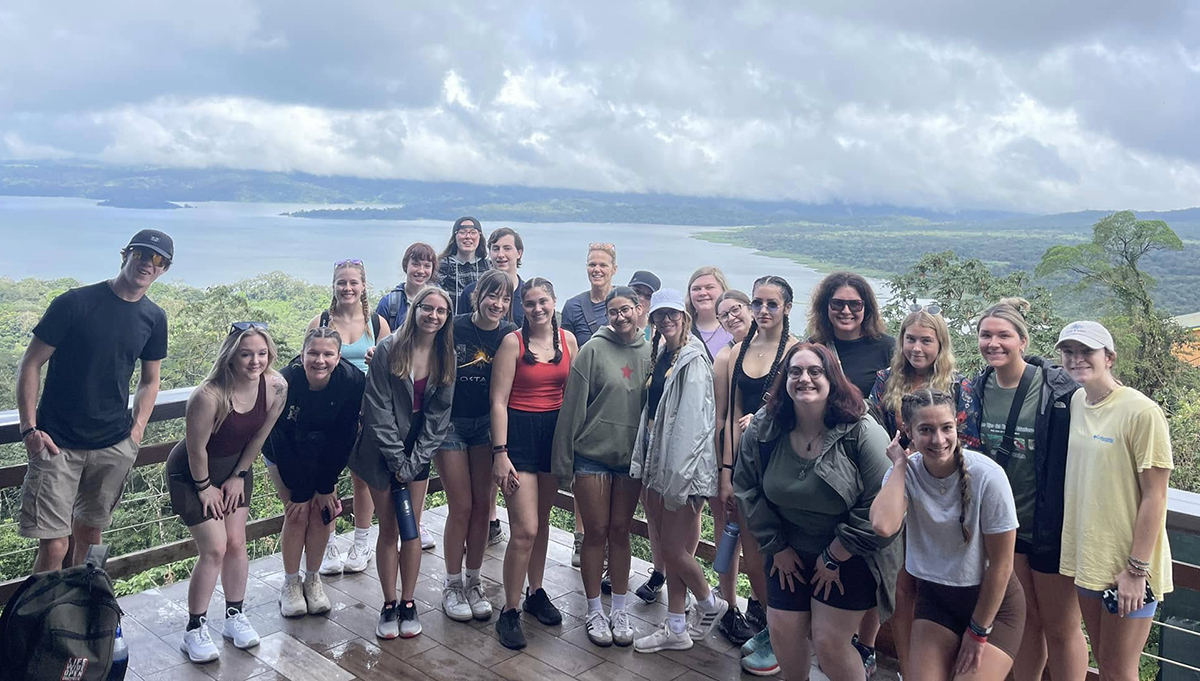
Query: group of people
(1029, 498)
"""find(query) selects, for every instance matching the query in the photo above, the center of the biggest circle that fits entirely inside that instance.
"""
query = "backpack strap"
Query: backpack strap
(375, 327)
(393, 308)
(324, 323)
(765, 449)
(1004, 452)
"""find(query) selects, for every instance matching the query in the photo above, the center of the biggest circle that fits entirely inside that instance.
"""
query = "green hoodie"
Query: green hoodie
(602, 403)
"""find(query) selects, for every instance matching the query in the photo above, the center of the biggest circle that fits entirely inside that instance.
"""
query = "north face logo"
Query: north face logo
(75, 668)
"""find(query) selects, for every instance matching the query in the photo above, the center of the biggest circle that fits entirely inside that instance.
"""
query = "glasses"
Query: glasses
(347, 262)
(623, 311)
(658, 316)
(814, 372)
(838, 304)
(156, 259)
(932, 308)
(735, 311)
(241, 327)
(468, 231)
(429, 309)
(772, 306)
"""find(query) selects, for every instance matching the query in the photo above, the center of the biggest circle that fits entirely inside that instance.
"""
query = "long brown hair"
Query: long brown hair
(845, 402)
(545, 285)
(820, 329)
(442, 361)
(926, 397)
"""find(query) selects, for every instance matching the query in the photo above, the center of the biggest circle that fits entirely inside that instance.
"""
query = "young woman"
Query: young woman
(306, 452)
(350, 315)
(1023, 430)
(756, 362)
(704, 288)
(584, 314)
(464, 460)
(528, 377)
(463, 260)
(809, 468)
(419, 264)
(405, 415)
(675, 457)
(505, 250)
(844, 315)
(961, 528)
(593, 441)
(1114, 532)
(229, 416)
(926, 359)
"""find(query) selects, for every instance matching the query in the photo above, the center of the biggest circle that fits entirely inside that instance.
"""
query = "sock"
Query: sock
(194, 620)
(707, 604)
(618, 601)
(594, 605)
(233, 608)
(310, 577)
(455, 578)
(362, 536)
(289, 576)
(678, 623)
(472, 575)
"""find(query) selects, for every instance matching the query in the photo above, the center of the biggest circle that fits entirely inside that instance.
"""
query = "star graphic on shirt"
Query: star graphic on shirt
(627, 371)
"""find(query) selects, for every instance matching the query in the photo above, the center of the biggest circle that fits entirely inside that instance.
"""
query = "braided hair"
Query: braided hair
(927, 397)
(685, 321)
(366, 306)
(786, 288)
(529, 285)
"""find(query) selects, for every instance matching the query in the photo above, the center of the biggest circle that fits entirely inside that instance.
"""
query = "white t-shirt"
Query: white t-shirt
(934, 546)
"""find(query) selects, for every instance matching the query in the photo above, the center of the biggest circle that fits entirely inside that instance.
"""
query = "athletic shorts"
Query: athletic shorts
(856, 579)
(76, 485)
(530, 438)
(465, 432)
(1045, 562)
(185, 501)
(951, 607)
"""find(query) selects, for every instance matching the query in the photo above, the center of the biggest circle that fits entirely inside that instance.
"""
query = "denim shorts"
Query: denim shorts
(1143, 613)
(586, 466)
(465, 432)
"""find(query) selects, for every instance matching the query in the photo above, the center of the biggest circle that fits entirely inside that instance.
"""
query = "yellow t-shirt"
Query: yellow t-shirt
(1111, 442)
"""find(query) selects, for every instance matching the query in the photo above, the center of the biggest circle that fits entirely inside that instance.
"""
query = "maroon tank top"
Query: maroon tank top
(238, 428)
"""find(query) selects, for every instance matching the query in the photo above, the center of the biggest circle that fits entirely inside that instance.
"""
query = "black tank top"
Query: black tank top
(751, 391)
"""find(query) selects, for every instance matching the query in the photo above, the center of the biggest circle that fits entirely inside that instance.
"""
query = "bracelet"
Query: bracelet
(500, 448)
(977, 637)
(204, 479)
(727, 466)
(25, 433)
(1137, 572)
(206, 486)
(1140, 564)
(978, 629)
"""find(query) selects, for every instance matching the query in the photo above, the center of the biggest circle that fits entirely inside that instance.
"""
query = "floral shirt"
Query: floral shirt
(964, 395)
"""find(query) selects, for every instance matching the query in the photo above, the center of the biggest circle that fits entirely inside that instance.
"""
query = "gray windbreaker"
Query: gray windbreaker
(677, 457)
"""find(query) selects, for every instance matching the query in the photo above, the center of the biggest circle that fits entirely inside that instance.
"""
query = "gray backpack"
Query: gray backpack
(59, 626)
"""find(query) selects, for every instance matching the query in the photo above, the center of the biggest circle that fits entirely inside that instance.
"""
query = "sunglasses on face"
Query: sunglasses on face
(838, 304)
(347, 262)
(659, 316)
(772, 306)
(932, 308)
(814, 372)
(239, 327)
(735, 311)
(430, 309)
(156, 259)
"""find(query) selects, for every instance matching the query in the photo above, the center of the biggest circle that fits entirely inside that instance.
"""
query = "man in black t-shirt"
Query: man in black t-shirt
(81, 438)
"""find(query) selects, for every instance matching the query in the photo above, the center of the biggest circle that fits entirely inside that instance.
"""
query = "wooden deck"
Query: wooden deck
(342, 646)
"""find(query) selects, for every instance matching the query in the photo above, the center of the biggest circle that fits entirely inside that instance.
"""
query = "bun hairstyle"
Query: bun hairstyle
(498, 234)
(492, 281)
(844, 405)
(786, 288)
(820, 329)
(1011, 310)
(362, 272)
(926, 397)
(545, 285)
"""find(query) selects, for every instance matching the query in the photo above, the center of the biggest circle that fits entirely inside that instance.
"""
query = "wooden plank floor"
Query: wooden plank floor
(342, 645)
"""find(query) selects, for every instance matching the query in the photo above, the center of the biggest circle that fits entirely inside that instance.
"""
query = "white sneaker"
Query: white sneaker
(314, 594)
(622, 630)
(481, 608)
(291, 597)
(331, 562)
(239, 630)
(599, 630)
(427, 541)
(198, 645)
(663, 638)
(357, 558)
(701, 620)
(454, 603)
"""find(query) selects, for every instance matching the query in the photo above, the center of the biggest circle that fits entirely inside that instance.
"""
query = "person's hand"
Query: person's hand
(504, 474)
(788, 566)
(970, 652)
(369, 355)
(328, 501)
(725, 493)
(744, 422)
(233, 490)
(895, 452)
(295, 510)
(1131, 592)
(137, 433)
(824, 578)
(211, 502)
(38, 443)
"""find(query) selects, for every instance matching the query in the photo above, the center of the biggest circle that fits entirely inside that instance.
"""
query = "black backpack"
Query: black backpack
(60, 626)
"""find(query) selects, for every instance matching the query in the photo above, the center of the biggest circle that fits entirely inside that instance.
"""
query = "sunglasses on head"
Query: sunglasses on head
(838, 304)
(240, 327)
(347, 262)
(932, 308)
(154, 258)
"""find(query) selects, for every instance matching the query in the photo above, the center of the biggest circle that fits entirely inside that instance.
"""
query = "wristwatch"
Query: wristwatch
(978, 630)
(830, 563)
(243, 474)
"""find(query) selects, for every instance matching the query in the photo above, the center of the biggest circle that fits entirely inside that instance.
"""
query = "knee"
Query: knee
(522, 534)
(212, 554)
(829, 638)
(461, 505)
(596, 534)
(619, 529)
(235, 545)
(389, 533)
(55, 549)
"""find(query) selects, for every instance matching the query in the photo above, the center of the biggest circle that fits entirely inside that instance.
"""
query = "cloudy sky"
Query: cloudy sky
(1024, 104)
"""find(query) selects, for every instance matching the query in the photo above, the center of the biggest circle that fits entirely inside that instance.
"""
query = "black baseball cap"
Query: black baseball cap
(644, 278)
(154, 240)
(459, 223)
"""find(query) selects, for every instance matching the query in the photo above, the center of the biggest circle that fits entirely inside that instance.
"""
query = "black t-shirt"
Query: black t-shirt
(658, 381)
(474, 349)
(862, 357)
(97, 337)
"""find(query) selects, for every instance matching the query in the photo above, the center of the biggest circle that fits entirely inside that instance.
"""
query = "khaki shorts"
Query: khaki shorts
(80, 485)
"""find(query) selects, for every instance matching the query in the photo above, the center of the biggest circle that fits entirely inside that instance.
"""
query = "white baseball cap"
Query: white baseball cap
(1091, 334)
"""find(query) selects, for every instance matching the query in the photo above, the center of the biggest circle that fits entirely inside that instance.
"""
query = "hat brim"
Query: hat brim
(667, 306)
(1085, 340)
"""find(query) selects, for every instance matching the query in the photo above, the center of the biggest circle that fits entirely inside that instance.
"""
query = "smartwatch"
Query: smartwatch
(830, 563)
(243, 474)
(978, 630)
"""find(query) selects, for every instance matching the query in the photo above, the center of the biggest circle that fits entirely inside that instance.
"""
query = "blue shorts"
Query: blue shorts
(465, 432)
(586, 466)
(1143, 613)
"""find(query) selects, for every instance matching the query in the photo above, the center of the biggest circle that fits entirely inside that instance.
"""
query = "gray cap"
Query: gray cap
(1091, 334)
(666, 299)
(644, 278)
(156, 241)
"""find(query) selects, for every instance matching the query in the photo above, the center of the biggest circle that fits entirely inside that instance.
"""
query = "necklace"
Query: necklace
(1100, 399)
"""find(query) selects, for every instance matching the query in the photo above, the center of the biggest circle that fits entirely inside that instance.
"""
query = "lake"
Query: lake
(221, 242)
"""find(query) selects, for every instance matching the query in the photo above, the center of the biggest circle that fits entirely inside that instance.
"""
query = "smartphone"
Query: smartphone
(1110, 598)
(326, 516)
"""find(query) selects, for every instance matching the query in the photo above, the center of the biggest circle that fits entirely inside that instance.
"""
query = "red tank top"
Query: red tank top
(237, 429)
(419, 393)
(538, 387)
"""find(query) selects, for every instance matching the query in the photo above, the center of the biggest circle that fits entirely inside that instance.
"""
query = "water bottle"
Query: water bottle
(120, 658)
(402, 501)
(727, 548)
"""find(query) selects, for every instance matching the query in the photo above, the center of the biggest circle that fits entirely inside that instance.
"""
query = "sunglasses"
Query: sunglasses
(658, 316)
(932, 308)
(347, 262)
(772, 306)
(241, 327)
(838, 304)
(156, 259)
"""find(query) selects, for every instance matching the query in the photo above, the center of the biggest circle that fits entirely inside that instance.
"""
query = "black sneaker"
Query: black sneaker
(756, 615)
(540, 606)
(508, 628)
(648, 592)
(734, 626)
(867, 654)
(606, 583)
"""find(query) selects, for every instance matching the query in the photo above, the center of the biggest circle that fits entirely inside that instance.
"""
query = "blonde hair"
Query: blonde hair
(219, 382)
(903, 376)
(1011, 310)
(442, 361)
(366, 306)
(610, 249)
(705, 271)
(684, 336)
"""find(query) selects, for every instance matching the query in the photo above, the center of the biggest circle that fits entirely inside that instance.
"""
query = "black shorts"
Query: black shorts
(951, 607)
(856, 580)
(1045, 562)
(185, 501)
(530, 438)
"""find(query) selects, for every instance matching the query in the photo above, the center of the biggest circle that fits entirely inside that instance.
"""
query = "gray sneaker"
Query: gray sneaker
(577, 548)
(496, 533)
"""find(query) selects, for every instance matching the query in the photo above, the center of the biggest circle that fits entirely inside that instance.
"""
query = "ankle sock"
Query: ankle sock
(194, 621)
(472, 575)
(233, 608)
(361, 537)
(289, 576)
(455, 578)
(709, 603)
(618, 601)
(678, 623)
(594, 605)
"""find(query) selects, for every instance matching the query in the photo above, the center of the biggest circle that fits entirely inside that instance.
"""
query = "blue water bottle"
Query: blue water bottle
(402, 501)
(727, 549)
(120, 659)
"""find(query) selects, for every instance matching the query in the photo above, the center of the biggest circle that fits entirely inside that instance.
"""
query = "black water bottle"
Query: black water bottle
(405, 516)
